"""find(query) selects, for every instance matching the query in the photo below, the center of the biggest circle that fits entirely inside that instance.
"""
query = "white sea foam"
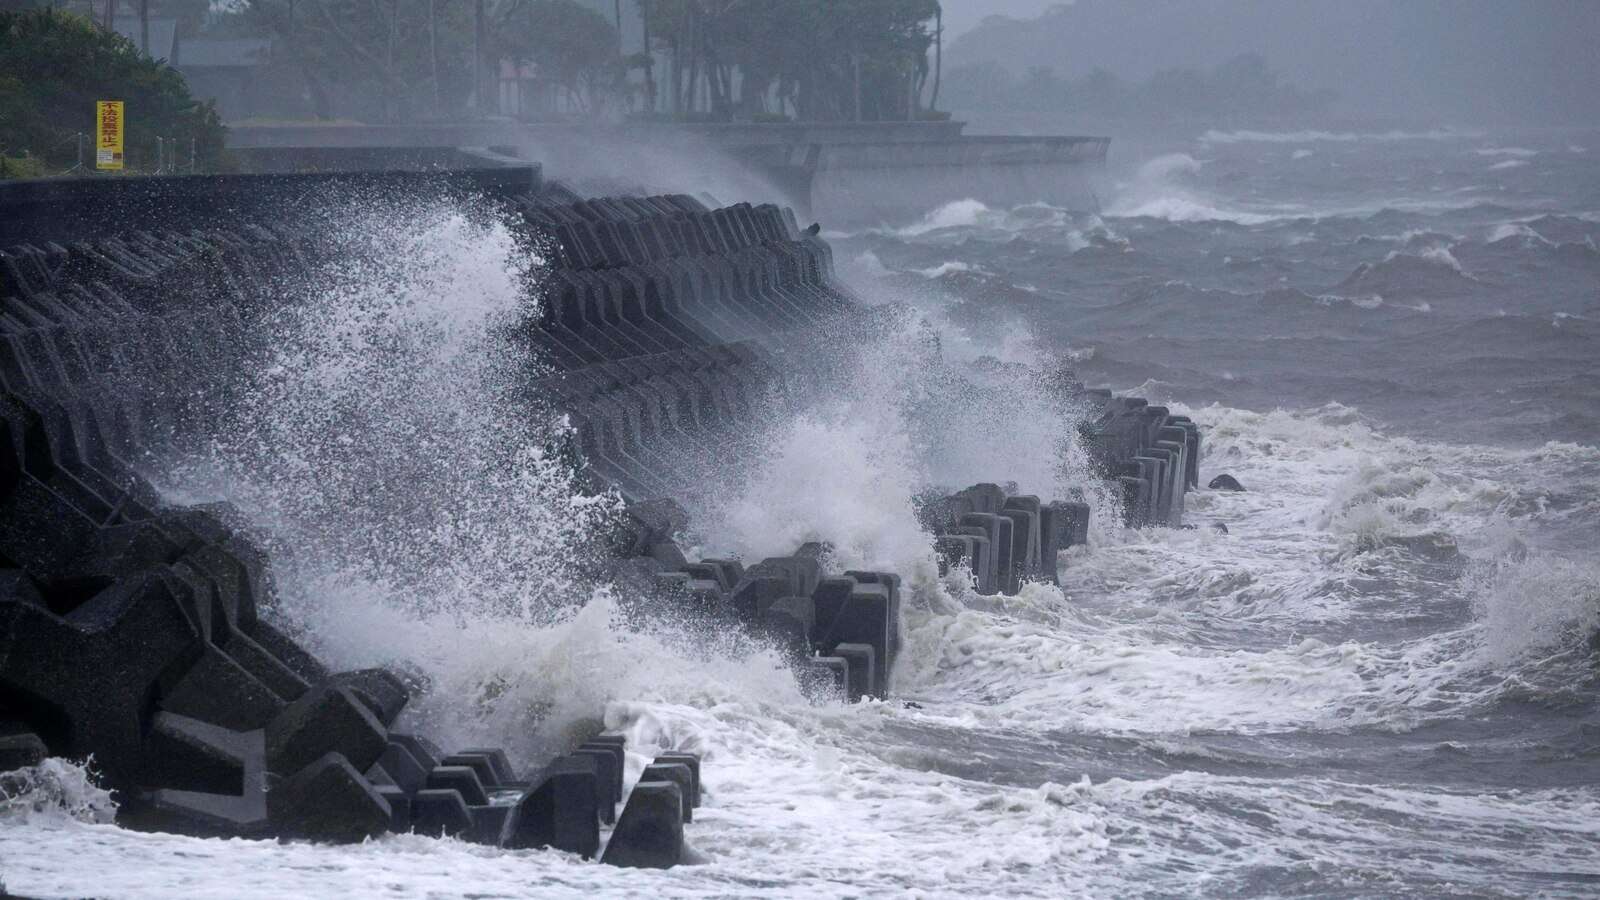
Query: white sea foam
(797, 800)
(1174, 634)
(857, 818)
(1163, 189)
(51, 793)
(865, 265)
(1302, 153)
(1309, 137)
(1372, 835)
(1147, 641)
(1509, 230)
(970, 213)
(945, 268)
(1532, 604)
(955, 214)
(845, 471)
(1508, 164)
(413, 502)
(1519, 152)
(1171, 637)
(830, 476)
(1432, 254)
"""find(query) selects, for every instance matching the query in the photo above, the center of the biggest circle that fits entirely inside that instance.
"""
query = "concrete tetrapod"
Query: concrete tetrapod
(649, 833)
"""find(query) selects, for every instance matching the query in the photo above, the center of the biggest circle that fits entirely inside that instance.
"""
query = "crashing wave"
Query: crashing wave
(1406, 273)
(1536, 603)
(1158, 191)
(54, 790)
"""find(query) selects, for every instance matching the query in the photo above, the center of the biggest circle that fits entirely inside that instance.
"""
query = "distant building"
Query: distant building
(229, 72)
(163, 35)
(233, 72)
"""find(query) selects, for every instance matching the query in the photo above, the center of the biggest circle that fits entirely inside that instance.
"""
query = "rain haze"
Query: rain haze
(799, 448)
(1475, 62)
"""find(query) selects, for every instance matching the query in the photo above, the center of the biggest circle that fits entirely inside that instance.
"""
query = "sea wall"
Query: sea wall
(67, 210)
(144, 632)
(492, 133)
(842, 173)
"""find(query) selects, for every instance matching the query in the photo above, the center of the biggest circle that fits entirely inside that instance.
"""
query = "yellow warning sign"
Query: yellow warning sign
(108, 134)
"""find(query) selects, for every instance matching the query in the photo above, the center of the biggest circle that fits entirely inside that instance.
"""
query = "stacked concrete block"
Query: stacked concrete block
(673, 336)
(845, 627)
(665, 273)
(652, 425)
(1003, 539)
(130, 628)
(1152, 454)
(677, 331)
(132, 634)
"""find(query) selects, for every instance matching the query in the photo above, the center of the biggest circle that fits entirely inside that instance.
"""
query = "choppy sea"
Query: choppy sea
(1377, 681)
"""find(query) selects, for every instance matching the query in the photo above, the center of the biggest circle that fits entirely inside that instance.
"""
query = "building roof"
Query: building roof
(232, 53)
(163, 34)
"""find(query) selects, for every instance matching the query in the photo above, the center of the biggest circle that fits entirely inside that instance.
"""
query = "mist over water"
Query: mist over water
(1378, 681)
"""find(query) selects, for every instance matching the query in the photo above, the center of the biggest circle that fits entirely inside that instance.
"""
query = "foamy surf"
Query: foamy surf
(1377, 681)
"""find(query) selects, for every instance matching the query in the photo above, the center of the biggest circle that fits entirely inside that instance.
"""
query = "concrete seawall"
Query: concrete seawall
(844, 173)
(141, 631)
(63, 210)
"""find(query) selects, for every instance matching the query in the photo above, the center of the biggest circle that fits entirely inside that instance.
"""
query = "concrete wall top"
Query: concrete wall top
(500, 133)
(73, 209)
(972, 151)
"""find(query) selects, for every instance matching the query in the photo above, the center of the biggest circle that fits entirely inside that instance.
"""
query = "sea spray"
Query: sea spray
(905, 418)
(1533, 604)
(1165, 188)
(52, 791)
(412, 492)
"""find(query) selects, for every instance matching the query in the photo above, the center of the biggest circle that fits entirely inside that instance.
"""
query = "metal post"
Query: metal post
(191, 156)
(855, 60)
(433, 51)
(650, 62)
(480, 102)
(79, 166)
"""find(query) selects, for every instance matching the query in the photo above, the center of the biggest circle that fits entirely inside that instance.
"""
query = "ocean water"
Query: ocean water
(1378, 681)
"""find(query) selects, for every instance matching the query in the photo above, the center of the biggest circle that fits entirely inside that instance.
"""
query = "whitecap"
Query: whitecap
(1307, 137)
(866, 264)
(955, 214)
(1435, 254)
(1159, 191)
(947, 267)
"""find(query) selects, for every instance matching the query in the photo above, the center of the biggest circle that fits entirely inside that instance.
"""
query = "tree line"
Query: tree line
(1244, 86)
(834, 60)
(717, 60)
(828, 60)
(413, 60)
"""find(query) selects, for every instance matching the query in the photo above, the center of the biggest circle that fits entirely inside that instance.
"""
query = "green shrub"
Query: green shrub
(54, 66)
(22, 167)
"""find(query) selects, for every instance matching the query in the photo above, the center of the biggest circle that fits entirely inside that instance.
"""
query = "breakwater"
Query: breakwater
(840, 172)
(140, 630)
